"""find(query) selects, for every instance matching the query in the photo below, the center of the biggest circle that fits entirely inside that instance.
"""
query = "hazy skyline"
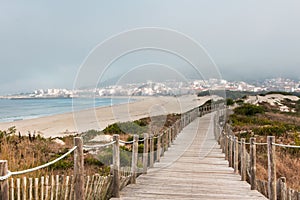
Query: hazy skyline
(44, 43)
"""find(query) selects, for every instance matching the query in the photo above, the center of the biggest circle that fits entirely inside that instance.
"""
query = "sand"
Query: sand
(101, 117)
(272, 99)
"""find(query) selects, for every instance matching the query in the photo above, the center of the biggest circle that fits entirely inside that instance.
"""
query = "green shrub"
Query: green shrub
(248, 110)
(275, 130)
(229, 102)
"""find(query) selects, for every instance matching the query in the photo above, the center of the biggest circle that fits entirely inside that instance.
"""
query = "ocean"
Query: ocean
(20, 109)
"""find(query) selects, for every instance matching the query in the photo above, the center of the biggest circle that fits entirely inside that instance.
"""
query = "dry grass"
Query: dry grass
(21, 153)
(287, 159)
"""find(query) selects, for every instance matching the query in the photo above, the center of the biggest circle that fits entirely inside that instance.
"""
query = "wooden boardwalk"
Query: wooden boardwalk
(193, 168)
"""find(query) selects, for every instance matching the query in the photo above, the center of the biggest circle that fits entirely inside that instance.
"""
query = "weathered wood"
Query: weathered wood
(30, 188)
(230, 157)
(271, 168)
(57, 187)
(236, 156)
(116, 167)
(4, 185)
(253, 163)
(158, 149)
(181, 174)
(226, 145)
(62, 188)
(163, 144)
(243, 160)
(145, 154)
(134, 158)
(24, 188)
(151, 141)
(47, 186)
(67, 187)
(42, 187)
(36, 188)
(282, 188)
(71, 187)
(169, 137)
(79, 169)
(18, 189)
(12, 188)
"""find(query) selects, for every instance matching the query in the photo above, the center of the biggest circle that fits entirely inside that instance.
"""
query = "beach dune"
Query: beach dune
(100, 117)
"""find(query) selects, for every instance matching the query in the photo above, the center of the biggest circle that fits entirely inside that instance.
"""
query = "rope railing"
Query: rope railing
(236, 154)
(285, 145)
(97, 146)
(126, 142)
(9, 173)
(142, 140)
(262, 143)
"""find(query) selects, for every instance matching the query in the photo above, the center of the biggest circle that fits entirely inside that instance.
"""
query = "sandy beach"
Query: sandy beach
(101, 117)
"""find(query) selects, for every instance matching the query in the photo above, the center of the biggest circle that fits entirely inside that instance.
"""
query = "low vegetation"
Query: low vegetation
(27, 151)
(263, 120)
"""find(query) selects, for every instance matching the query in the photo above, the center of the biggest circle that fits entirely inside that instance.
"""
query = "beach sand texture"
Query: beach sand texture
(101, 117)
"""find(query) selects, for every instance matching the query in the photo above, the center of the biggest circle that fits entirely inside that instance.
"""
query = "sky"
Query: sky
(44, 43)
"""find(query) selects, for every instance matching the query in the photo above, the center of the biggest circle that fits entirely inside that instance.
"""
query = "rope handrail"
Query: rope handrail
(285, 145)
(86, 147)
(262, 143)
(128, 142)
(9, 173)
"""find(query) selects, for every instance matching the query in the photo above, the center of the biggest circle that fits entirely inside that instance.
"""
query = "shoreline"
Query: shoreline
(100, 117)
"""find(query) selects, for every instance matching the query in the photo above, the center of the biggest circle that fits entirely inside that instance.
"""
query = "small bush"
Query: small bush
(229, 102)
(248, 110)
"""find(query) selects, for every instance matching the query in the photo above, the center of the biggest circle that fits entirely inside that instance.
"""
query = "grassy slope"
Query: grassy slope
(286, 128)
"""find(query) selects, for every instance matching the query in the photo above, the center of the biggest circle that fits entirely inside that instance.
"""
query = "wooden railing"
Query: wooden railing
(154, 146)
(244, 162)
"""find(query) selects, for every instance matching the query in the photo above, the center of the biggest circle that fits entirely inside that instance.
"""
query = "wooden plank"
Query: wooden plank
(67, 186)
(79, 169)
(18, 189)
(271, 168)
(24, 188)
(36, 188)
(30, 188)
(47, 187)
(42, 187)
(12, 188)
(4, 185)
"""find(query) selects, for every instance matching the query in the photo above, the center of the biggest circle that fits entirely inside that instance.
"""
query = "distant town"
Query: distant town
(167, 88)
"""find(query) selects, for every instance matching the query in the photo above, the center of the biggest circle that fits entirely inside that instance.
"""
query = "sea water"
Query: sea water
(20, 109)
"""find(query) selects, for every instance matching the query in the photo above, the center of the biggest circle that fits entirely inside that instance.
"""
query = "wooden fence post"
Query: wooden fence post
(222, 141)
(116, 167)
(4, 187)
(163, 144)
(134, 160)
(79, 169)
(282, 185)
(230, 151)
(172, 134)
(243, 160)
(151, 139)
(169, 137)
(145, 154)
(271, 168)
(226, 144)
(253, 163)
(158, 150)
(236, 155)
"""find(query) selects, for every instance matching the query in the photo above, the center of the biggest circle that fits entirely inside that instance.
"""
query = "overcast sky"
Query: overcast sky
(42, 44)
